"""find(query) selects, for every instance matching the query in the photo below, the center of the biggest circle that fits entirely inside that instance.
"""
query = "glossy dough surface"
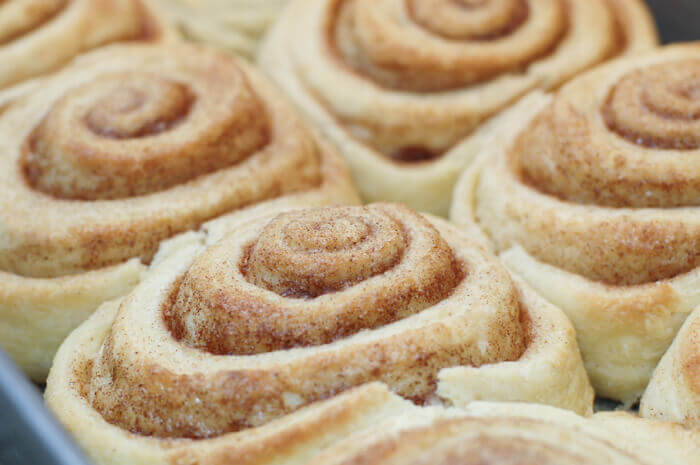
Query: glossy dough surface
(38, 36)
(240, 330)
(401, 85)
(126, 147)
(592, 196)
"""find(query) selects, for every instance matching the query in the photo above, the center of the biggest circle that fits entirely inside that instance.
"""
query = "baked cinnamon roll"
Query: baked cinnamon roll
(674, 391)
(38, 36)
(593, 197)
(126, 147)
(244, 335)
(401, 86)
(489, 433)
(236, 25)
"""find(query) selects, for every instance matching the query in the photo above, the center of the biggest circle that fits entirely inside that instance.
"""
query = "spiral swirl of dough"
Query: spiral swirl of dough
(236, 25)
(238, 328)
(402, 85)
(38, 36)
(127, 147)
(599, 188)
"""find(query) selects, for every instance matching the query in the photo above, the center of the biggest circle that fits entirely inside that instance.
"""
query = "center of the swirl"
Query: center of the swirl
(138, 132)
(137, 106)
(440, 45)
(469, 19)
(313, 252)
(679, 100)
(122, 101)
(470, 3)
(338, 234)
(310, 277)
(690, 90)
(658, 106)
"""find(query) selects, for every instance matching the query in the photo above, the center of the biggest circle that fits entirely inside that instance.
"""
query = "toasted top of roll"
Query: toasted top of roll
(38, 36)
(607, 175)
(401, 85)
(593, 196)
(133, 144)
(240, 328)
(400, 60)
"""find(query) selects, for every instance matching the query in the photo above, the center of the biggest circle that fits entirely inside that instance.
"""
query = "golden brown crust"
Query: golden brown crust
(133, 144)
(70, 149)
(212, 346)
(584, 188)
(38, 36)
(304, 256)
(218, 305)
(401, 86)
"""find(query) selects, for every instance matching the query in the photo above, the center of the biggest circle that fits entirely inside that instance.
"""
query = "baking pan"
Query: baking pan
(29, 435)
(678, 20)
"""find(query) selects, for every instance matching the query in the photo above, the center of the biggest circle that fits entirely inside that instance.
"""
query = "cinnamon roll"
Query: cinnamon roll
(401, 86)
(489, 433)
(674, 391)
(38, 36)
(252, 329)
(126, 147)
(593, 197)
(236, 25)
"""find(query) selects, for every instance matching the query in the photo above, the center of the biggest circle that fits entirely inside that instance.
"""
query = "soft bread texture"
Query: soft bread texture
(236, 25)
(38, 36)
(674, 391)
(126, 147)
(583, 195)
(256, 327)
(401, 86)
(489, 433)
